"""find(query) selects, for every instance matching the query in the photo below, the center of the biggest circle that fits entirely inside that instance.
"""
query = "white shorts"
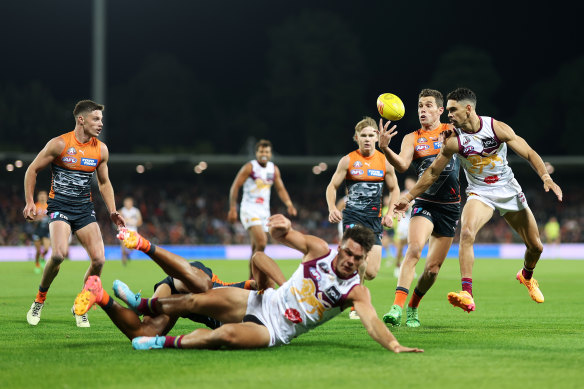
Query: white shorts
(403, 226)
(264, 307)
(254, 215)
(508, 198)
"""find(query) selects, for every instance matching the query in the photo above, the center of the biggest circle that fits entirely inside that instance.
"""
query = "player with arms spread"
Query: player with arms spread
(74, 158)
(481, 144)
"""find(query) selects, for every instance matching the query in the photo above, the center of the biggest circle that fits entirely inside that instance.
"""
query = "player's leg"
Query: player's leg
(265, 271)
(37, 254)
(475, 215)
(90, 238)
(438, 247)
(235, 336)
(259, 241)
(46, 244)
(228, 305)
(524, 223)
(420, 229)
(172, 264)
(373, 262)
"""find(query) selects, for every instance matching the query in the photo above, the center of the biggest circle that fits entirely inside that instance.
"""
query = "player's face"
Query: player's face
(263, 155)
(428, 112)
(366, 140)
(128, 203)
(351, 256)
(93, 122)
(458, 113)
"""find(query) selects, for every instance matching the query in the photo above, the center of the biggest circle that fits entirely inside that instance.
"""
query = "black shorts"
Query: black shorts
(40, 232)
(351, 219)
(76, 215)
(443, 216)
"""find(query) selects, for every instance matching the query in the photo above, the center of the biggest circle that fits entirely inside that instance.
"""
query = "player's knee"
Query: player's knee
(535, 249)
(430, 274)
(97, 265)
(371, 272)
(227, 335)
(57, 258)
(414, 252)
(467, 235)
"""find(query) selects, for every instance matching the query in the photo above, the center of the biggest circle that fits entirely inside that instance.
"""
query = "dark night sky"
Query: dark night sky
(226, 42)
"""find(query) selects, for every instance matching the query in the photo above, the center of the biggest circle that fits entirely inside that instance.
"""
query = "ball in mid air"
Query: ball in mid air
(390, 107)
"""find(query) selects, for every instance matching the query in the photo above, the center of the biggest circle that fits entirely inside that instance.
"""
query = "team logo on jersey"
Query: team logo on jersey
(356, 172)
(357, 164)
(59, 215)
(422, 147)
(71, 151)
(466, 141)
(69, 159)
(375, 173)
(437, 145)
(433, 138)
(324, 267)
(467, 149)
(88, 162)
(491, 179)
(270, 177)
(521, 197)
(422, 140)
(314, 273)
(333, 294)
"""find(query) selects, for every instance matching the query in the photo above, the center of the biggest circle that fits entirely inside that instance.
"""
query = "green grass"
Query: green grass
(508, 342)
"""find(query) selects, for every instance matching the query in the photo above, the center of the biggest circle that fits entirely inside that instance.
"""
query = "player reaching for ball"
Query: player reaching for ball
(364, 172)
(481, 144)
(435, 212)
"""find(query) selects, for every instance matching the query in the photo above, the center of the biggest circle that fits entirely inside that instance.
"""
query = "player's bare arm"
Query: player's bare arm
(394, 193)
(106, 189)
(311, 246)
(430, 175)
(335, 215)
(52, 150)
(240, 178)
(282, 192)
(361, 299)
(506, 134)
(402, 161)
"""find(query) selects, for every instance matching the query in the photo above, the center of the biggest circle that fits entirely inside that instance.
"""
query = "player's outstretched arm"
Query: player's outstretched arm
(240, 178)
(361, 299)
(335, 215)
(281, 230)
(401, 162)
(106, 189)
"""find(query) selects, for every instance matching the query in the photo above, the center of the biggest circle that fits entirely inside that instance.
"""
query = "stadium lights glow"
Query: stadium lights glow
(323, 166)
(18, 163)
(198, 169)
(10, 167)
(203, 165)
(140, 169)
(316, 170)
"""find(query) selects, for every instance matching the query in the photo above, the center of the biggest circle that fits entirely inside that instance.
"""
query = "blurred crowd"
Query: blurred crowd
(186, 215)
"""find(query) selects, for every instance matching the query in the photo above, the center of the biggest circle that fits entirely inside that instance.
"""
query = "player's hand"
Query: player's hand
(279, 225)
(232, 215)
(335, 216)
(292, 211)
(404, 349)
(117, 219)
(402, 205)
(385, 134)
(548, 184)
(387, 220)
(29, 212)
(445, 135)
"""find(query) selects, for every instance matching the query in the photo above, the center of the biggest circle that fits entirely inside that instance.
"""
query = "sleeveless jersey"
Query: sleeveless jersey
(257, 187)
(131, 216)
(73, 169)
(484, 156)
(364, 180)
(313, 295)
(427, 146)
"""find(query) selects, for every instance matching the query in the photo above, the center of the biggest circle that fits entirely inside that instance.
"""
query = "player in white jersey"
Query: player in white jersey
(133, 218)
(257, 178)
(481, 142)
(326, 282)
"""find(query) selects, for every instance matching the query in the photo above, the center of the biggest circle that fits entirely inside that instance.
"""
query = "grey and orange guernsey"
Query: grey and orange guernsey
(73, 170)
(313, 295)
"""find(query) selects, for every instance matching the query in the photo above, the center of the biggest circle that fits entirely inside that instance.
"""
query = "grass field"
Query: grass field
(509, 342)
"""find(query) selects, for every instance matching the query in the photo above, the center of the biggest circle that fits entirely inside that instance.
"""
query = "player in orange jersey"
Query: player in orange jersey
(364, 172)
(74, 158)
(435, 212)
(40, 236)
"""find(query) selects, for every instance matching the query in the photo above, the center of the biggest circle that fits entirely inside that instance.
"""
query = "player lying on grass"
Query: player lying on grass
(326, 282)
(184, 277)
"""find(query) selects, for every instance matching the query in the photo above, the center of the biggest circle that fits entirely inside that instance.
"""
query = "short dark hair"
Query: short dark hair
(362, 235)
(86, 106)
(263, 143)
(460, 94)
(436, 94)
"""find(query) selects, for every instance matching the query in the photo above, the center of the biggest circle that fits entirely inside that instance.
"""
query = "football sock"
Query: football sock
(416, 297)
(106, 301)
(401, 294)
(148, 306)
(467, 285)
(173, 341)
(41, 295)
(527, 272)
